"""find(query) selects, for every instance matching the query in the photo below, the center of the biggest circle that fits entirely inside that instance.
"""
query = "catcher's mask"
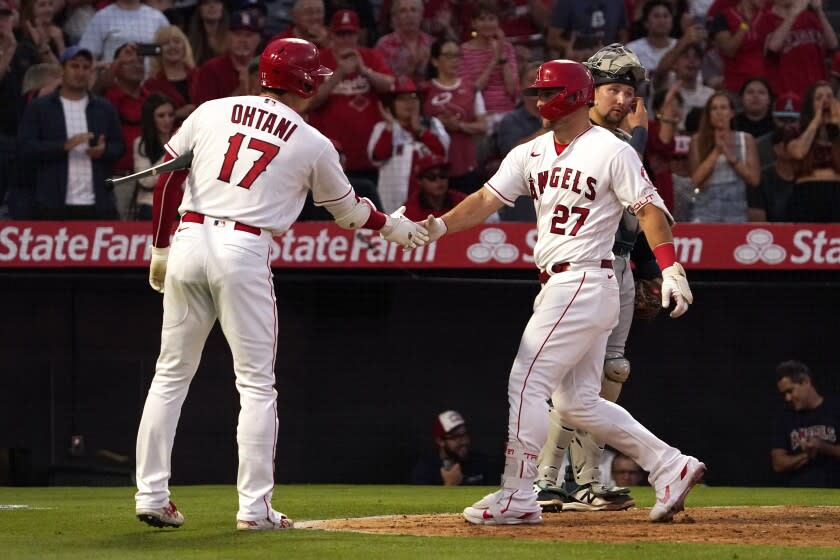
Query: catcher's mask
(616, 64)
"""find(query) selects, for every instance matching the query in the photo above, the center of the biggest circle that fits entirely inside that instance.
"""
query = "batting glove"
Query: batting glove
(402, 231)
(157, 269)
(675, 285)
(436, 227)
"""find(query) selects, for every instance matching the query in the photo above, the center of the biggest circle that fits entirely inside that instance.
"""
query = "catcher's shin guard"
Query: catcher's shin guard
(551, 455)
(585, 456)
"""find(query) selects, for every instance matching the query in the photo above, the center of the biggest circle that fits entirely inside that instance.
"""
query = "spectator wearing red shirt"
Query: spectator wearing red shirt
(659, 151)
(799, 38)
(736, 34)
(432, 195)
(173, 73)
(454, 101)
(127, 96)
(347, 107)
(227, 75)
(406, 49)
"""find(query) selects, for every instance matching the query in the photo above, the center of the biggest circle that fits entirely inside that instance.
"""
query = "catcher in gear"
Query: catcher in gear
(617, 73)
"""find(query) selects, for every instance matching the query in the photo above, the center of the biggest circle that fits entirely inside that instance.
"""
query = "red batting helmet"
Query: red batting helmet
(292, 65)
(574, 82)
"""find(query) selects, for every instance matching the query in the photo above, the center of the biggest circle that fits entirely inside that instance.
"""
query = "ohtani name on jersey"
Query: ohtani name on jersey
(262, 120)
(563, 178)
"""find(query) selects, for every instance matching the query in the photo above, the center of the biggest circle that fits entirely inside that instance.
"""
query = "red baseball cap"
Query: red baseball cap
(429, 160)
(788, 106)
(447, 421)
(404, 84)
(344, 20)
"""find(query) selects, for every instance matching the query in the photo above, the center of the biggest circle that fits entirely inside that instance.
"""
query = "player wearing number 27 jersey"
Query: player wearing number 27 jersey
(580, 178)
(579, 192)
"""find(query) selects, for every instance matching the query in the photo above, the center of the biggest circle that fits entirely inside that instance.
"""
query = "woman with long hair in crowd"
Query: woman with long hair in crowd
(208, 30)
(456, 103)
(399, 139)
(173, 73)
(816, 194)
(36, 21)
(723, 163)
(156, 127)
(489, 62)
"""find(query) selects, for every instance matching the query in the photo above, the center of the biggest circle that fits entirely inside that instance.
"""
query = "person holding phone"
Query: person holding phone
(124, 21)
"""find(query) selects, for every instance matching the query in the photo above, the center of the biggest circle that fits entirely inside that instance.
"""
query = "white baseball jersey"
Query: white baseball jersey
(578, 195)
(254, 160)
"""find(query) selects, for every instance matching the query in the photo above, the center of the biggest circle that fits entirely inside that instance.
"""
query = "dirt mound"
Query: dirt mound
(777, 525)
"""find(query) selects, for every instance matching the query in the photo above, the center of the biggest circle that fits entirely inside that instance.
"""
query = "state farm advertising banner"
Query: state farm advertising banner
(508, 245)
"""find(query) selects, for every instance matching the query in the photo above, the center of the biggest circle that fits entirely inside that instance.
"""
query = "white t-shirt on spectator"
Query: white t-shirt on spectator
(649, 55)
(80, 167)
(112, 27)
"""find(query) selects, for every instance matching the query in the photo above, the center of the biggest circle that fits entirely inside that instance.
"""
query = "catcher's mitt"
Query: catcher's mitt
(648, 299)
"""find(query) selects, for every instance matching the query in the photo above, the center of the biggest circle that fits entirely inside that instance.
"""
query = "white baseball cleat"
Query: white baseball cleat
(274, 522)
(167, 516)
(670, 499)
(494, 509)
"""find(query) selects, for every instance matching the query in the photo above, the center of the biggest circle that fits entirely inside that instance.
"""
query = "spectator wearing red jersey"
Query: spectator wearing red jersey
(346, 106)
(737, 36)
(816, 195)
(406, 49)
(799, 37)
(454, 101)
(307, 24)
(667, 106)
(399, 139)
(227, 75)
(489, 62)
(173, 73)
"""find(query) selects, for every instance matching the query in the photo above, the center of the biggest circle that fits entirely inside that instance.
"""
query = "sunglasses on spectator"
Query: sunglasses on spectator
(434, 175)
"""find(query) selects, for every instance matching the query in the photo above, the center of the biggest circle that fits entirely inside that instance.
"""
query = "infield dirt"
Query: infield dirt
(776, 525)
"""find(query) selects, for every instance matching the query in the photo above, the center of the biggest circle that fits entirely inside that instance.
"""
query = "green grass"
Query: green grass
(99, 523)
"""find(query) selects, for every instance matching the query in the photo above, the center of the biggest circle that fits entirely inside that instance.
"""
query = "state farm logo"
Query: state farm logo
(492, 246)
(760, 247)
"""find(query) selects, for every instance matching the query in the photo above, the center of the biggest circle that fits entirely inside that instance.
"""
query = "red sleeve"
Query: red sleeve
(167, 197)
(655, 145)
(374, 60)
(383, 147)
(433, 142)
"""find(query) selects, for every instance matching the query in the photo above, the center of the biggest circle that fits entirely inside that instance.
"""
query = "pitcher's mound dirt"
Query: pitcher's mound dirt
(777, 525)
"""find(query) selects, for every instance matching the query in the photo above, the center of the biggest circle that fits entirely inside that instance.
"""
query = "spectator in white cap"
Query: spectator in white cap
(454, 463)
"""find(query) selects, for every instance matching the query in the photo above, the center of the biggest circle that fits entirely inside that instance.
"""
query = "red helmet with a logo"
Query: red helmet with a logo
(574, 82)
(292, 65)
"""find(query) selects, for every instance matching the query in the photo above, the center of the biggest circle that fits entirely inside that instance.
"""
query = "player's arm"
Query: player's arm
(782, 461)
(472, 211)
(166, 199)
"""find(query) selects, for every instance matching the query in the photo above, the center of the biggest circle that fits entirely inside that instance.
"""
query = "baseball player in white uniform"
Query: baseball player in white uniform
(618, 73)
(254, 160)
(580, 177)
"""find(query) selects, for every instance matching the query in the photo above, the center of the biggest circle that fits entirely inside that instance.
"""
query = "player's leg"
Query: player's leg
(550, 495)
(243, 289)
(585, 452)
(571, 309)
(188, 316)
(672, 474)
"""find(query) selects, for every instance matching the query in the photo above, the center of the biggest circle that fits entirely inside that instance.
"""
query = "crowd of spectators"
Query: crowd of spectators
(744, 119)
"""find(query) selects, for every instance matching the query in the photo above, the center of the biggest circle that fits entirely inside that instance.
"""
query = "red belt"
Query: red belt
(557, 268)
(197, 218)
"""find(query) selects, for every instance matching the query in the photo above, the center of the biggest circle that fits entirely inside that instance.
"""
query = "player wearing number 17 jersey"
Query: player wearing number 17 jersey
(254, 160)
(580, 178)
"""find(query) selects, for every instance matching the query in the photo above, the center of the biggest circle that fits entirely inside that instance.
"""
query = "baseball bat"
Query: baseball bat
(181, 162)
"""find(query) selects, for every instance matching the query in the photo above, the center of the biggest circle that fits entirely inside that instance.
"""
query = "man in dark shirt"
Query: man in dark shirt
(805, 446)
(454, 463)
